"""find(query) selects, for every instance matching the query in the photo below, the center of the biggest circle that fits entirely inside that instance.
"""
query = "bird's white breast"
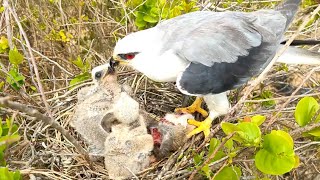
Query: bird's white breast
(162, 68)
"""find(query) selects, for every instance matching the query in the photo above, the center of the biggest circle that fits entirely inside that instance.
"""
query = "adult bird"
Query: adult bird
(207, 53)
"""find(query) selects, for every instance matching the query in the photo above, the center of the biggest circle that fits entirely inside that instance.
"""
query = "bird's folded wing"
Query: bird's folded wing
(221, 42)
(225, 54)
(208, 37)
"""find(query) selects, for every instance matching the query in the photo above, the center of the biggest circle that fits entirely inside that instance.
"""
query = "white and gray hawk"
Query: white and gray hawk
(207, 53)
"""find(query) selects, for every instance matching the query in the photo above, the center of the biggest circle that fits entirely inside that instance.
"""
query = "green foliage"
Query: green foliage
(1, 85)
(6, 174)
(15, 57)
(305, 111)
(4, 44)
(8, 135)
(2, 9)
(84, 67)
(148, 13)
(229, 173)
(200, 158)
(80, 78)
(15, 78)
(247, 133)
(60, 35)
(276, 156)
(258, 119)
(266, 94)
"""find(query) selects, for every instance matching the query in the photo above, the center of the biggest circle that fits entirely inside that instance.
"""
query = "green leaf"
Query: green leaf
(229, 173)
(133, 3)
(269, 163)
(150, 19)
(175, 12)
(278, 142)
(251, 134)
(79, 78)
(1, 85)
(165, 13)
(214, 143)
(229, 128)
(197, 159)
(229, 145)
(5, 174)
(206, 171)
(0, 127)
(2, 160)
(258, 119)
(15, 79)
(219, 155)
(314, 132)
(78, 62)
(155, 12)
(139, 22)
(2, 9)
(15, 57)
(297, 161)
(151, 3)
(276, 156)
(9, 139)
(305, 110)
(4, 44)
(248, 133)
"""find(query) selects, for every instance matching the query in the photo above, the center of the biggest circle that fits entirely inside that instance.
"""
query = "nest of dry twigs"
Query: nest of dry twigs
(44, 153)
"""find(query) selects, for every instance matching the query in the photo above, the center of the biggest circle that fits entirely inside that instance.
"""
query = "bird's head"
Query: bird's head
(132, 48)
(104, 74)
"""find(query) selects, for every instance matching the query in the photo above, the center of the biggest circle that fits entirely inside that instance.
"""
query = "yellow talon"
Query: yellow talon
(195, 107)
(203, 126)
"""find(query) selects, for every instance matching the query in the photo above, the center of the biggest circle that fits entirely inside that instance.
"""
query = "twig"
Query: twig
(306, 145)
(5, 101)
(224, 165)
(7, 19)
(274, 118)
(44, 99)
(211, 156)
(298, 131)
(45, 57)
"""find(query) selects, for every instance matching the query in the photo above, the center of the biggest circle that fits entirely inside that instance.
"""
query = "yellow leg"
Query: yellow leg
(195, 107)
(203, 126)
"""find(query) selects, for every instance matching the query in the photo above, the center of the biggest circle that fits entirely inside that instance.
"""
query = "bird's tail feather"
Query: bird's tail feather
(301, 42)
(294, 55)
(288, 8)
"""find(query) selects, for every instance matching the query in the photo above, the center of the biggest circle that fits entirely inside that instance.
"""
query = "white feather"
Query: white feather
(295, 55)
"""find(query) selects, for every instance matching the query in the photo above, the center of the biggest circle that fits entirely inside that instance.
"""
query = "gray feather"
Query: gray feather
(288, 8)
(209, 37)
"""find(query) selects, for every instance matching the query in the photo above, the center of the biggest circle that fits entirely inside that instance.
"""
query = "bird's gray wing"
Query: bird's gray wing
(208, 37)
(225, 50)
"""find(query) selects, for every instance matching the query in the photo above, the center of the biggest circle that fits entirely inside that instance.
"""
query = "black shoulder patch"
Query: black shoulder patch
(221, 77)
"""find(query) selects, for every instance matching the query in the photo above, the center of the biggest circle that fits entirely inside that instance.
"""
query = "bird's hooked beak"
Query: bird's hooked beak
(116, 60)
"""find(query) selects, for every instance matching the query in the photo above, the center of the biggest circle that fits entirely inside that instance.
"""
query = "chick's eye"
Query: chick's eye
(129, 56)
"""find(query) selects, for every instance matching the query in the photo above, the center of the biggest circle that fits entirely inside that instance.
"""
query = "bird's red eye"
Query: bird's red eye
(130, 56)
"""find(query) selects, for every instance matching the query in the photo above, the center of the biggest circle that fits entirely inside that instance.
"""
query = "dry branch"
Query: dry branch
(5, 101)
(295, 133)
(34, 65)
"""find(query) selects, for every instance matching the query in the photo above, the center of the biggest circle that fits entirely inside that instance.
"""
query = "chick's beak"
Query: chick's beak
(111, 69)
